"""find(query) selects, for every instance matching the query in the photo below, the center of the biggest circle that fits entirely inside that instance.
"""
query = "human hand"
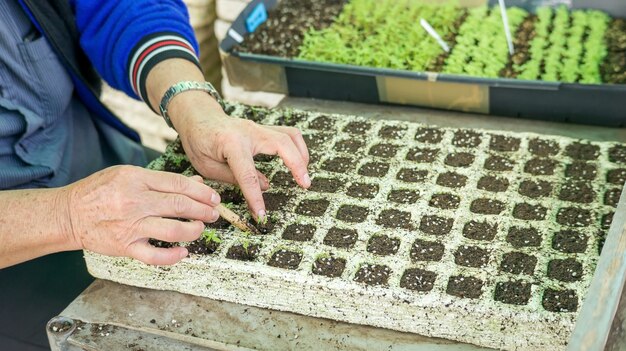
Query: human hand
(222, 148)
(115, 211)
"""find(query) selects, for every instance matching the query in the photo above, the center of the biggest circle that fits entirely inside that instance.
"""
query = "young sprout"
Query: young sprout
(245, 244)
(210, 235)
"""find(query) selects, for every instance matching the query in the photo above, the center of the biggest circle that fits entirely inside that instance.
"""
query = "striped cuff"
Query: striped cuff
(150, 51)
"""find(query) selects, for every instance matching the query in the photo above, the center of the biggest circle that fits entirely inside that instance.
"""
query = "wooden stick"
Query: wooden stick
(236, 220)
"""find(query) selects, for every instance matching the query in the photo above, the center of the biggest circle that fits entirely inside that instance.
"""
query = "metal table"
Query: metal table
(111, 316)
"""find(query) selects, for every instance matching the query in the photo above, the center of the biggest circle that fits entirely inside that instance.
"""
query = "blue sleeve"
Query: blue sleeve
(124, 39)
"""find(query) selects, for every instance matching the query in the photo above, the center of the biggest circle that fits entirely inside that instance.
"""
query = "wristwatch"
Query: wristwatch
(182, 87)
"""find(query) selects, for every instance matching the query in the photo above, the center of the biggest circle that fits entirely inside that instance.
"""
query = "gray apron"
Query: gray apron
(48, 138)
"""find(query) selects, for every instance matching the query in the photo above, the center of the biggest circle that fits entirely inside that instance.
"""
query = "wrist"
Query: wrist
(68, 233)
(191, 107)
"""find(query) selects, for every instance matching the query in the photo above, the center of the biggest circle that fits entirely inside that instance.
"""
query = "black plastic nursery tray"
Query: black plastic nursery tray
(595, 104)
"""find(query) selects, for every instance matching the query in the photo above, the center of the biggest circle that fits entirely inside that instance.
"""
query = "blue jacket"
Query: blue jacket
(117, 40)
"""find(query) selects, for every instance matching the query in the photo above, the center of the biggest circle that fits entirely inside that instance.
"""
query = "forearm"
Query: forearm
(34, 223)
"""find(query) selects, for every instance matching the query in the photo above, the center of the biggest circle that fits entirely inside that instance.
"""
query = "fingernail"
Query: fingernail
(216, 214)
(215, 198)
(183, 253)
(260, 216)
(306, 179)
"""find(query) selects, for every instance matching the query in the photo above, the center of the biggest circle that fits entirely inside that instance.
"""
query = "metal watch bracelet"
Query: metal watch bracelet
(182, 87)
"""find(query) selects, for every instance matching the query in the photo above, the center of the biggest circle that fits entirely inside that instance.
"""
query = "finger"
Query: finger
(296, 137)
(176, 183)
(170, 230)
(287, 150)
(149, 254)
(179, 206)
(221, 172)
(242, 165)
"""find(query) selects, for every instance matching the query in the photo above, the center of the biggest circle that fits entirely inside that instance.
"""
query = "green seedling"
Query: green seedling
(210, 235)
(246, 245)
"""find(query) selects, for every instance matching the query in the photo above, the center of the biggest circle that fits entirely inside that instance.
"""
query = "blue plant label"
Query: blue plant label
(256, 17)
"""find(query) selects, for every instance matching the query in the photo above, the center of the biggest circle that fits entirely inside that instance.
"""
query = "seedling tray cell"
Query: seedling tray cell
(483, 237)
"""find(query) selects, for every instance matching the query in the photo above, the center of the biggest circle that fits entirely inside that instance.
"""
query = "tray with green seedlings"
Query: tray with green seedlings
(566, 64)
(482, 237)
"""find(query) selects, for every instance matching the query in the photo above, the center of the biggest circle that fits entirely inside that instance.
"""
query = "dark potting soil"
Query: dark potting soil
(613, 68)
(202, 247)
(326, 185)
(338, 165)
(601, 240)
(429, 135)
(352, 213)
(423, 250)
(299, 232)
(617, 154)
(518, 263)
(581, 170)
(374, 169)
(529, 212)
(616, 176)
(498, 163)
(487, 206)
(466, 138)
(267, 226)
(523, 236)
(383, 245)
(452, 180)
(403, 196)
(535, 189)
(255, 113)
(348, 146)
(283, 32)
(323, 123)
(580, 192)
(445, 201)
(329, 266)
(574, 217)
(570, 241)
(362, 190)
(176, 164)
(459, 159)
(501, 143)
(283, 179)
(543, 148)
(384, 150)
(480, 230)
(418, 279)
(357, 127)
(275, 201)
(372, 274)
(471, 256)
(523, 38)
(566, 270)
(465, 287)
(241, 253)
(290, 118)
(493, 184)
(391, 218)
(392, 132)
(232, 196)
(513, 292)
(422, 155)
(560, 300)
(540, 166)
(315, 141)
(264, 158)
(606, 221)
(411, 175)
(161, 243)
(312, 207)
(611, 197)
(436, 225)
(285, 259)
(341, 237)
(582, 151)
(221, 223)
